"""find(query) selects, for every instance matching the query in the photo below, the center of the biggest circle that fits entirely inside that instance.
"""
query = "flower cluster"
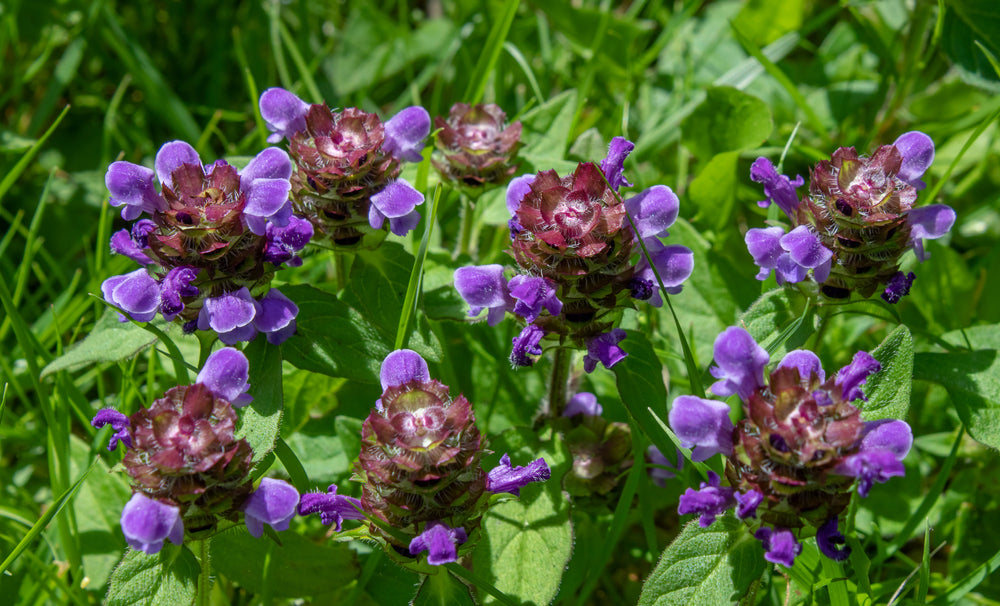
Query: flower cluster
(347, 166)
(188, 469)
(213, 241)
(579, 263)
(420, 465)
(794, 457)
(856, 222)
(476, 146)
(601, 449)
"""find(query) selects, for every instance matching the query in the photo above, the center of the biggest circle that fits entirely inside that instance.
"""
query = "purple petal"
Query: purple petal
(273, 503)
(928, 222)
(584, 403)
(284, 113)
(805, 248)
(517, 189)
(275, 314)
(806, 362)
(526, 345)
(177, 285)
(267, 201)
(829, 539)
(440, 541)
(778, 188)
(226, 373)
(788, 271)
(673, 263)
(397, 199)
(231, 315)
(137, 293)
(891, 435)
(171, 157)
(146, 523)
(401, 367)
(703, 425)
(331, 507)
(284, 242)
(898, 287)
(401, 226)
(747, 503)
(405, 133)
(123, 244)
(271, 163)
(764, 245)
(741, 363)
(118, 422)
(613, 165)
(533, 293)
(653, 210)
(870, 467)
(917, 150)
(131, 185)
(710, 501)
(853, 376)
(484, 286)
(604, 349)
(779, 544)
(505, 478)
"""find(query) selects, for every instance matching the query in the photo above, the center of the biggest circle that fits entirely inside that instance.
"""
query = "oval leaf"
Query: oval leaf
(889, 390)
(261, 419)
(166, 578)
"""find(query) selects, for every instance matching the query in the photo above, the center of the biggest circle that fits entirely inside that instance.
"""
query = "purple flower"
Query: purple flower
(869, 467)
(613, 166)
(118, 422)
(405, 133)
(702, 425)
(828, 539)
(780, 545)
(526, 344)
(778, 188)
(741, 363)
(177, 284)
(917, 150)
(146, 523)
(440, 541)
(891, 435)
(506, 478)
(284, 242)
(231, 315)
(790, 255)
(673, 263)
(653, 211)
(396, 202)
(604, 349)
(484, 287)
(123, 243)
(226, 373)
(584, 403)
(806, 363)
(533, 293)
(928, 223)
(898, 287)
(660, 468)
(284, 113)
(853, 376)
(331, 507)
(276, 316)
(401, 367)
(710, 501)
(516, 190)
(273, 503)
(747, 503)
(265, 186)
(137, 293)
(131, 187)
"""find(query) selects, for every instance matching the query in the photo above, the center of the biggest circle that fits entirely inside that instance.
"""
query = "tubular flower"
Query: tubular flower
(801, 446)
(420, 467)
(347, 164)
(476, 148)
(855, 223)
(187, 468)
(579, 262)
(216, 235)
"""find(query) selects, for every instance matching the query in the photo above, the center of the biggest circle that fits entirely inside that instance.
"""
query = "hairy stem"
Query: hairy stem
(558, 383)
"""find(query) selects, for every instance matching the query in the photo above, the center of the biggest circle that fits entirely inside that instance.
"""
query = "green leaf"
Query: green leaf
(547, 130)
(889, 390)
(711, 566)
(971, 374)
(965, 23)
(713, 191)
(764, 21)
(109, 341)
(640, 385)
(296, 568)
(442, 589)
(167, 578)
(779, 321)
(261, 419)
(728, 120)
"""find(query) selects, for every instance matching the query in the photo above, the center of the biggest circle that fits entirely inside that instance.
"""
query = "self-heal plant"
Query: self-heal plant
(423, 485)
(579, 259)
(347, 166)
(189, 472)
(476, 148)
(793, 459)
(855, 223)
(214, 238)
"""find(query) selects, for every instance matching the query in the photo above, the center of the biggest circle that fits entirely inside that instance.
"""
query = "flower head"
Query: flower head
(476, 147)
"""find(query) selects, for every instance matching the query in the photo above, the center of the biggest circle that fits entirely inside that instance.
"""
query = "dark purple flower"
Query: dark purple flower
(147, 523)
(917, 150)
(778, 188)
(747, 503)
(273, 503)
(702, 425)
(869, 467)
(710, 501)
(516, 190)
(440, 541)
(533, 293)
(122, 243)
(853, 376)
(741, 363)
(584, 403)
(806, 363)
(276, 316)
(231, 315)
(284, 113)
(673, 263)
(898, 287)
(526, 345)
(613, 166)
(177, 284)
(484, 287)
(828, 539)
(641, 289)
(331, 507)
(396, 202)
(653, 211)
(118, 422)
(928, 223)
(265, 186)
(604, 349)
(226, 373)
(284, 242)
(661, 468)
(506, 478)
(137, 293)
(405, 133)
(780, 546)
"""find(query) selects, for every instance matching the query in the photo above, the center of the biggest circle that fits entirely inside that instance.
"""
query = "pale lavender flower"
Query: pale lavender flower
(146, 523)
(273, 503)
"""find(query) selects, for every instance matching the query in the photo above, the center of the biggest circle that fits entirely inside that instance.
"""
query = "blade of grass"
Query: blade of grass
(416, 274)
(241, 58)
(960, 589)
(470, 577)
(29, 155)
(516, 54)
(304, 72)
(293, 466)
(274, 14)
(490, 53)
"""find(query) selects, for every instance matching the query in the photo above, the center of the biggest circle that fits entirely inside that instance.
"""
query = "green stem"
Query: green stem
(558, 383)
(205, 576)
(206, 338)
(465, 246)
